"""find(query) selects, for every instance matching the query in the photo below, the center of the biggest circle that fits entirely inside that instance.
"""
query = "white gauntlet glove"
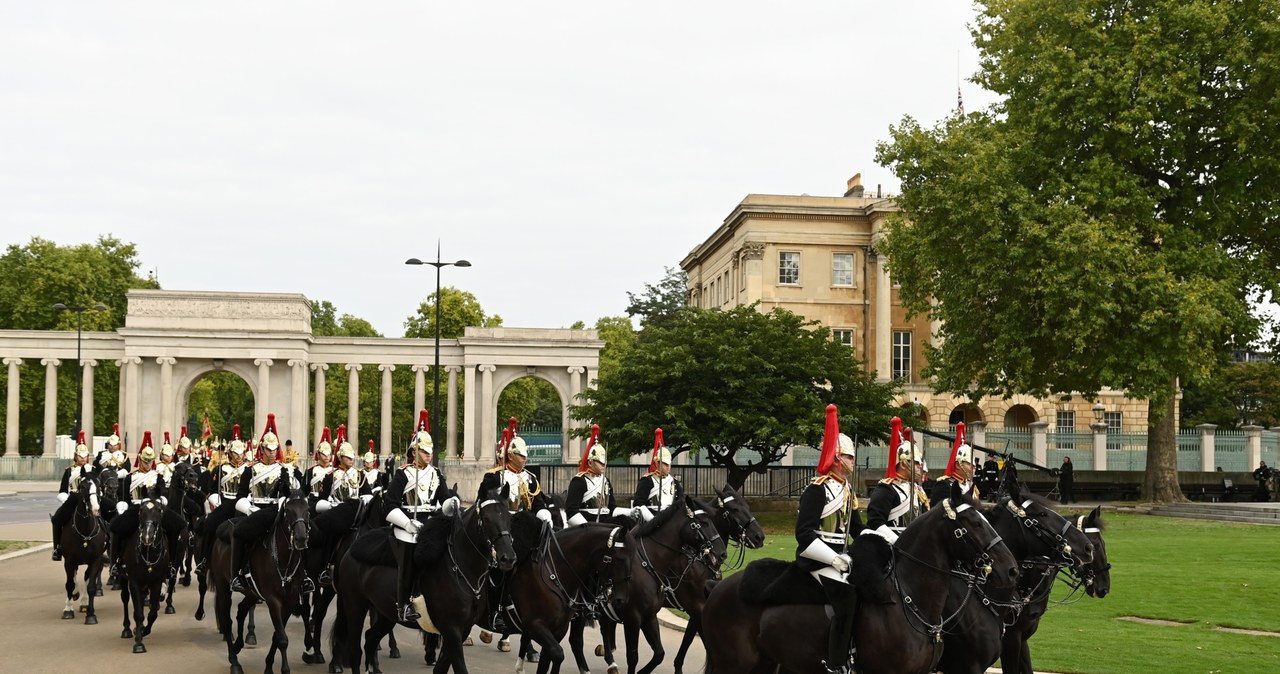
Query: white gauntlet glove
(63, 496)
(841, 563)
(121, 506)
(450, 506)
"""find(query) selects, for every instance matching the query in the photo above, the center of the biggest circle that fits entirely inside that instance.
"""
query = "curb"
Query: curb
(26, 551)
(670, 620)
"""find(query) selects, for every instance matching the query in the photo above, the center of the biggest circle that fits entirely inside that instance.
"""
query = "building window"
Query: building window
(842, 269)
(788, 268)
(902, 355)
(1066, 425)
(843, 336)
(1114, 422)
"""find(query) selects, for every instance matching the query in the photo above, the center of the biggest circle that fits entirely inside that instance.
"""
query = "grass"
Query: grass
(12, 546)
(1205, 574)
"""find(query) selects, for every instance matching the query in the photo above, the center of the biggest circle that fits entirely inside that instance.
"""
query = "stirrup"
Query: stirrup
(237, 584)
(408, 614)
(57, 555)
(326, 578)
(307, 585)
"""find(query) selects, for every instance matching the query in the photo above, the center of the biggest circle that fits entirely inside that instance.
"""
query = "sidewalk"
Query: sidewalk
(11, 487)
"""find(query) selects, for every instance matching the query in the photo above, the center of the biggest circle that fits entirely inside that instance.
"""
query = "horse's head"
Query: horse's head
(150, 517)
(185, 477)
(494, 521)
(736, 523)
(555, 506)
(969, 540)
(699, 533)
(1045, 529)
(85, 489)
(1097, 573)
(294, 519)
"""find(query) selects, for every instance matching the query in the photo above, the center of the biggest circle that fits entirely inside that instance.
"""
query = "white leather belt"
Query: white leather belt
(261, 500)
(595, 511)
(829, 537)
(427, 508)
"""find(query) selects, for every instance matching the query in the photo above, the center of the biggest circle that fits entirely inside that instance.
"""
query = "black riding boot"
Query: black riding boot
(844, 601)
(237, 564)
(57, 537)
(115, 555)
(404, 581)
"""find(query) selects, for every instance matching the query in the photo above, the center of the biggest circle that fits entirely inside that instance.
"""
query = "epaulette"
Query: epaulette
(648, 474)
(584, 473)
(945, 478)
(889, 481)
(495, 470)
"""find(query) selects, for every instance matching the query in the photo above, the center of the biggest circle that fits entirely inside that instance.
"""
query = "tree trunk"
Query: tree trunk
(1160, 483)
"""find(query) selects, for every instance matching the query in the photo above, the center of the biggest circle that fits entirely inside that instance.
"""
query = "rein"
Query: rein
(739, 539)
(691, 554)
(83, 510)
(293, 562)
(157, 543)
(492, 562)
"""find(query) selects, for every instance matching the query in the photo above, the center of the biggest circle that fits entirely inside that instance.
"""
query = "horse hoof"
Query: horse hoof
(186, 581)
(75, 596)
(126, 633)
(430, 659)
(486, 637)
(599, 650)
(200, 614)
(251, 640)
(169, 610)
(613, 669)
(68, 615)
(139, 648)
(335, 668)
(91, 620)
(237, 669)
(504, 646)
(97, 592)
(84, 608)
(393, 653)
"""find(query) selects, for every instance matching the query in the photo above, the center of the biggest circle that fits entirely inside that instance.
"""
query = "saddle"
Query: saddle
(776, 582)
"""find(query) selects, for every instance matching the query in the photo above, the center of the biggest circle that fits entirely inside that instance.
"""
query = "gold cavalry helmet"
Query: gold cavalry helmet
(113, 440)
(345, 448)
(422, 435)
(183, 441)
(146, 452)
(237, 445)
(594, 451)
(370, 456)
(518, 446)
(167, 448)
(660, 452)
(82, 450)
(325, 448)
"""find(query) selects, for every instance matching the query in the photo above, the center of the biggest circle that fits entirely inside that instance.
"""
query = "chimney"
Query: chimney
(854, 187)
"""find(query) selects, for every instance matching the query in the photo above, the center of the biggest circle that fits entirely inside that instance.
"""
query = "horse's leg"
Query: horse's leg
(609, 639)
(69, 567)
(1011, 652)
(168, 596)
(251, 639)
(552, 653)
(653, 635)
(631, 636)
(188, 557)
(279, 613)
(575, 645)
(235, 645)
(379, 627)
(127, 633)
(451, 654)
(430, 648)
(139, 596)
(691, 630)
(91, 580)
(393, 649)
(202, 585)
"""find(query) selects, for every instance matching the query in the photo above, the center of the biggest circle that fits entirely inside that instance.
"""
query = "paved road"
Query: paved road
(34, 639)
(27, 507)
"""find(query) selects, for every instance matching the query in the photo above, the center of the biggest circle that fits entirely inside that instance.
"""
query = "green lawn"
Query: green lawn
(11, 546)
(1206, 574)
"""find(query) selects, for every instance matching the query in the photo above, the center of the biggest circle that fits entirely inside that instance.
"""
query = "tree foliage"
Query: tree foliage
(1106, 223)
(1236, 395)
(731, 382)
(459, 310)
(662, 302)
(34, 277)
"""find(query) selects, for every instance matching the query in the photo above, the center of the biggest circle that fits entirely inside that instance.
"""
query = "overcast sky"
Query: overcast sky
(569, 150)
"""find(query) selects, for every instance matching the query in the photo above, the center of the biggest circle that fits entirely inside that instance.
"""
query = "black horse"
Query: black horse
(679, 544)
(1043, 542)
(83, 544)
(146, 567)
(187, 499)
(739, 527)
(1095, 576)
(901, 634)
(277, 571)
(456, 585)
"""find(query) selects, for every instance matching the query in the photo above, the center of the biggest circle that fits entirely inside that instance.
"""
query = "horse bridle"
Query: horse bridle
(740, 538)
(150, 529)
(1087, 574)
(1057, 540)
(492, 557)
(698, 554)
(84, 508)
(296, 553)
(980, 570)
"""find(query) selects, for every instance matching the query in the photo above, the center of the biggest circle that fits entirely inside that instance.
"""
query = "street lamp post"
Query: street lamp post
(79, 367)
(435, 398)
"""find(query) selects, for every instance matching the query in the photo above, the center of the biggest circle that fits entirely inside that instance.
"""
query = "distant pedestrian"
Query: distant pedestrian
(1066, 482)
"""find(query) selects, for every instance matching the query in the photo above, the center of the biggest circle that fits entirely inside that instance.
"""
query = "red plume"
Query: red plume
(235, 432)
(184, 432)
(81, 440)
(508, 434)
(271, 426)
(342, 435)
(371, 445)
(895, 440)
(166, 438)
(146, 442)
(955, 447)
(657, 449)
(595, 435)
(423, 424)
(324, 437)
(830, 441)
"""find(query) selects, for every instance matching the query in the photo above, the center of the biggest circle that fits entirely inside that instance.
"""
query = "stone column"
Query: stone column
(419, 394)
(1253, 445)
(883, 322)
(977, 432)
(264, 395)
(488, 415)
(11, 408)
(50, 404)
(1099, 445)
(470, 440)
(1040, 442)
(166, 393)
(571, 450)
(133, 391)
(353, 404)
(122, 405)
(384, 442)
(86, 399)
(1207, 437)
(451, 411)
(298, 407)
(319, 369)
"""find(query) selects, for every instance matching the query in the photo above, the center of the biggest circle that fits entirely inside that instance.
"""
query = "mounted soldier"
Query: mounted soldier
(526, 491)
(316, 478)
(416, 492)
(898, 498)
(183, 450)
(263, 488)
(375, 478)
(343, 497)
(138, 486)
(658, 489)
(959, 471)
(167, 455)
(69, 492)
(109, 449)
(590, 495)
(827, 522)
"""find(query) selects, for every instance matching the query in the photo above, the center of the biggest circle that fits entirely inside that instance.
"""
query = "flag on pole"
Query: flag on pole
(959, 101)
(206, 429)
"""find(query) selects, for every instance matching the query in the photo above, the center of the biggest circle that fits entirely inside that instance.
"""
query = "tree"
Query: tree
(663, 302)
(618, 337)
(33, 278)
(1236, 395)
(1107, 222)
(731, 382)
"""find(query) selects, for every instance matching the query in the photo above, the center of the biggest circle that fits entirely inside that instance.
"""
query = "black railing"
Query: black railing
(780, 481)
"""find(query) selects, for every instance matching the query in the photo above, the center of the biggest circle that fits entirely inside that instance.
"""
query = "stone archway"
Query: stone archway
(560, 389)
(186, 388)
